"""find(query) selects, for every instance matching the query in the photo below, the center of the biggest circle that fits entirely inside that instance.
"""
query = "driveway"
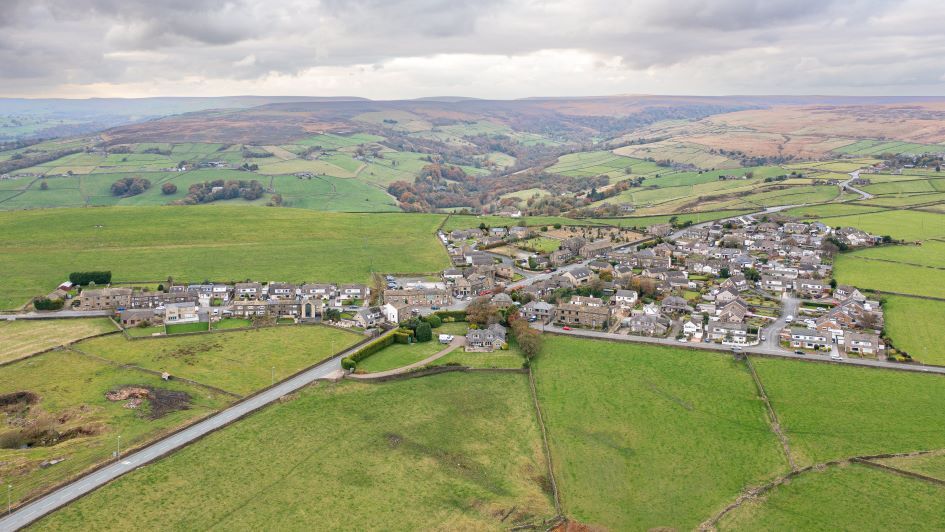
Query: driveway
(457, 342)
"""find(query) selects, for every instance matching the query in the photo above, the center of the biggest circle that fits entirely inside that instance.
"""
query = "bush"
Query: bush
(84, 278)
(456, 315)
(402, 337)
(168, 188)
(424, 332)
(47, 304)
(434, 320)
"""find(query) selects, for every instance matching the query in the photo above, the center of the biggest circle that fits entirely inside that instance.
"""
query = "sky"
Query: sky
(480, 48)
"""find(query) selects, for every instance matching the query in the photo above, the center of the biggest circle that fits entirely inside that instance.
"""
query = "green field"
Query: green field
(231, 323)
(694, 217)
(509, 359)
(400, 355)
(832, 412)
(181, 328)
(932, 465)
(71, 390)
(904, 224)
(540, 244)
(889, 276)
(595, 163)
(219, 243)
(450, 452)
(22, 338)
(852, 497)
(239, 362)
(914, 326)
(647, 437)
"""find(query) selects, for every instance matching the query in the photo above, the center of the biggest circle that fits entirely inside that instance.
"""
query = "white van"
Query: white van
(446, 338)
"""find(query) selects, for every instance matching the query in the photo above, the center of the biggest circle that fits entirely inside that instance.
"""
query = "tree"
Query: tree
(528, 339)
(434, 320)
(482, 312)
(424, 332)
(168, 188)
(833, 283)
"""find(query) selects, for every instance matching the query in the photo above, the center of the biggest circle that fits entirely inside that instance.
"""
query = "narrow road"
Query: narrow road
(789, 306)
(846, 184)
(72, 491)
(756, 349)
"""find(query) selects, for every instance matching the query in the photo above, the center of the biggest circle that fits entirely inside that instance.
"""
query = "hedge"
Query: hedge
(84, 278)
(458, 315)
(47, 304)
(350, 362)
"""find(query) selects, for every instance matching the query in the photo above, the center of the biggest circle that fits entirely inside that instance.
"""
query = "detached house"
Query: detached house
(486, 340)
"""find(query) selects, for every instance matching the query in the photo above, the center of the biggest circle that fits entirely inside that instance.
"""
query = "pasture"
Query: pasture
(454, 451)
(69, 390)
(648, 437)
(901, 224)
(22, 338)
(832, 412)
(902, 278)
(914, 325)
(219, 243)
(844, 498)
(239, 362)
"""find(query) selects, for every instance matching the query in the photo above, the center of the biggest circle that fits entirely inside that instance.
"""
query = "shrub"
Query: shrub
(47, 304)
(84, 278)
(424, 332)
(44, 185)
(168, 188)
(402, 337)
(456, 315)
(434, 320)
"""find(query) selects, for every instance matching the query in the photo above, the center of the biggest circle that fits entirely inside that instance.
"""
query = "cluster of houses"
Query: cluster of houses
(202, 302)
(720, 283)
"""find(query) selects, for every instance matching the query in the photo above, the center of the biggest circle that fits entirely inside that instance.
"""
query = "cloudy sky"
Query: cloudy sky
(483, 48)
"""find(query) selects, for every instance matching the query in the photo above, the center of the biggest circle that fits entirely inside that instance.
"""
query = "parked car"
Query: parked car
(566, 328)
(835, 356)
(434, 308)
(798, 352)
(789, 319)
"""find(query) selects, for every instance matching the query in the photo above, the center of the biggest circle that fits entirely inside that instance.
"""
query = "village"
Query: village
(749, 282)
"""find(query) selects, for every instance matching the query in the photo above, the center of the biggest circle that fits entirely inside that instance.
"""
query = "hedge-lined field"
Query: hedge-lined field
(220, 243)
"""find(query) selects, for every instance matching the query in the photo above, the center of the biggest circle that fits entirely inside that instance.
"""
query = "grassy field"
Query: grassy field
(904, 224)
(181, 328)
(399, 355)
(932, 465)
(914, 325)
(852, 497)
(240, 362)
(695, 217)
(22, 338)
(220, 243)
(509, 359)
(889, 277)
(455, 451)
(231, 323)
(831, 412)
(540, 244)
(71, 390)
(645, 437)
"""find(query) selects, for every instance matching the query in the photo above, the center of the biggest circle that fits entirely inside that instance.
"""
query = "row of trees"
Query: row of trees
(219, 189)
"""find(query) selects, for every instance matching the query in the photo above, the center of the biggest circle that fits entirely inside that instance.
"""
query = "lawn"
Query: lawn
(180, 328)
(852, 497)
(240, 362)
(914, 325)
(219, 243)
(399, 355)
(231, 323)
(22, 338)
(509, 359)
(648, 437)
(831, 412)
(71, 390)
(540, 244)
(449, 452)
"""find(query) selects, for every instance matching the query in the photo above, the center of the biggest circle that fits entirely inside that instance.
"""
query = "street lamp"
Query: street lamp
(118, 454)
(273, 375)
(9, 498)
